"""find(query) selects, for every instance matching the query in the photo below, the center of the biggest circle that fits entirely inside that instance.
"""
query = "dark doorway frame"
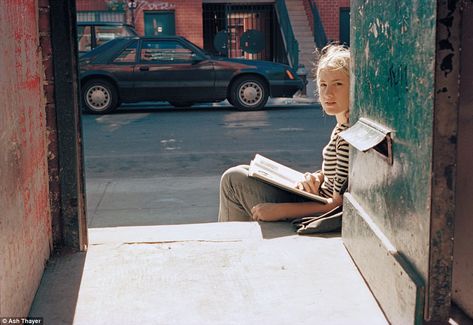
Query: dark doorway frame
(71, 226)
(344, 26)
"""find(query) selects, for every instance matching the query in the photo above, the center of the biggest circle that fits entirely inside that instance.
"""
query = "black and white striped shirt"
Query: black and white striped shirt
(335, 163)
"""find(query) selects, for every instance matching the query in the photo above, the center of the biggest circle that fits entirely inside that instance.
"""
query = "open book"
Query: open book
(281, 176)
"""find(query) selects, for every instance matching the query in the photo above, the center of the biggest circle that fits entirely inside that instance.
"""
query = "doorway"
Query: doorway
(242, 31)
(160, 23)
(345, 26)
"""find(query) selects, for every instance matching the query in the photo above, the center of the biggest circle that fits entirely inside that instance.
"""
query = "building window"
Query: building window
(345, 26)
(102, 16)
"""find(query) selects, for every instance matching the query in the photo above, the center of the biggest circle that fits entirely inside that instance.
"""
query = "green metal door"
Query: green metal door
(399, 209)
(160, 23)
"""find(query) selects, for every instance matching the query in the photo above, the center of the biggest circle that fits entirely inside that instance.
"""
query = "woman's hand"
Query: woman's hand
(312, 182)
(267, 212)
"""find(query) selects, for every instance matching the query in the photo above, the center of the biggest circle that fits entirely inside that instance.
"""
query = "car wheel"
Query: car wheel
(181, 104)
(249, 93)
(99, 96)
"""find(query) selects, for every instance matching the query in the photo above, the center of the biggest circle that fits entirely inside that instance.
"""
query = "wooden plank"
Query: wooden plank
(397, 287)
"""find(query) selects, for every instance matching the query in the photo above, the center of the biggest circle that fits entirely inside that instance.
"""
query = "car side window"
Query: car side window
(166, 51)
(104, 34)
(84, 38)
(128, 55)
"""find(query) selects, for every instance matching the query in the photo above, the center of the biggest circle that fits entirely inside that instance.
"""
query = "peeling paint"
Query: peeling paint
(24, 195)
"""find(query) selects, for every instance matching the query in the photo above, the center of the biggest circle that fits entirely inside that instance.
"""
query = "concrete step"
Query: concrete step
(299, 20)
(307, 48)
(306, 59)
(304, 25)
(305, 38)
(303, 33)
(302, 28)
(301, 16)
(218, 273)
(297, 11)
(308, 54)
(292, 4)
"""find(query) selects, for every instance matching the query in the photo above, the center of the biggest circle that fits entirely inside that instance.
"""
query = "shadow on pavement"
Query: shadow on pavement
(271, 230)
(57, 296)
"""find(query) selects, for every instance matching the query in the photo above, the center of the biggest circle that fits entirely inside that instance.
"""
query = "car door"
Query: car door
(171, 70)
(122, 67)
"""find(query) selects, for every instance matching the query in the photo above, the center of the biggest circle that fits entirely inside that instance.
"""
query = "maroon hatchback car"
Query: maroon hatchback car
(134, 69)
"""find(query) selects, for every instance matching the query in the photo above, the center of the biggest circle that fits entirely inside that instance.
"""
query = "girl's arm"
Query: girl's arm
(283, 211)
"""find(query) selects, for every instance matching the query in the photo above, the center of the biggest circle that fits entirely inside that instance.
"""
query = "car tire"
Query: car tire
(249, 93)
(99, 97)
(230, 101)
(181, 104)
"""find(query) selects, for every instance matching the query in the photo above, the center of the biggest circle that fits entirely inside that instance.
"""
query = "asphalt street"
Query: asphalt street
(153, 165)
(148, 142)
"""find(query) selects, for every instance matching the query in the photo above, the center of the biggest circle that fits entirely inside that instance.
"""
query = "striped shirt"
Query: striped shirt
(335, 163)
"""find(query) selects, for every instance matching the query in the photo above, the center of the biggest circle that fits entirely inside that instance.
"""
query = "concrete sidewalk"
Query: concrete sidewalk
(152, 201)
(213, 273)
(272, 102)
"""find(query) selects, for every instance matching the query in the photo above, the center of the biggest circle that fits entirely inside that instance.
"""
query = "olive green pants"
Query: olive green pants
(239, 193)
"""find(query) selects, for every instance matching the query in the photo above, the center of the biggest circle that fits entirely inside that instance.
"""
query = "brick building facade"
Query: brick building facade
(330, 15)
(188, 14)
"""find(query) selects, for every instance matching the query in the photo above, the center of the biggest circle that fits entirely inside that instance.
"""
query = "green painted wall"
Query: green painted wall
(393, 46)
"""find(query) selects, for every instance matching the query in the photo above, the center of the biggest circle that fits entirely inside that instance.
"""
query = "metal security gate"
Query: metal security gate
(243, 31)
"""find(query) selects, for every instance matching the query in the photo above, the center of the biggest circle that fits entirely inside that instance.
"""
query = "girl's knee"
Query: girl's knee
(234, 176)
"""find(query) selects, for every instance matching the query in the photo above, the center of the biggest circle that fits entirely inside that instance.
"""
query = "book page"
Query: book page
(281, 176)
(276, 171)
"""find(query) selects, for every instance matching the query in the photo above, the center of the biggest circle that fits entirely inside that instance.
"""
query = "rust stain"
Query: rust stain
(24, 193)
(32, 83)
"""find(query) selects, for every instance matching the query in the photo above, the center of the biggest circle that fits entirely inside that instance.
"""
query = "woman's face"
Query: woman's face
(334, 91)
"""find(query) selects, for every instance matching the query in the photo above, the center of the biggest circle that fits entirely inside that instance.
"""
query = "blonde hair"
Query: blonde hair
(332, 57)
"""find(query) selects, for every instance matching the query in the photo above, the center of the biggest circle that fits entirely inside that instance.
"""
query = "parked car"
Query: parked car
(173, 69)
(92, 34)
